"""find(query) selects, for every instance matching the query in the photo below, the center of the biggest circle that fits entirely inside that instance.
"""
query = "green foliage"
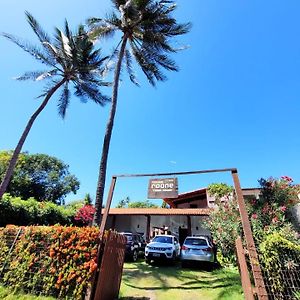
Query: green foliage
(225, 226)
(150, 28)
(142, 204)
(126, 203)
(71, 59)
(220, 190)
(43, 177)
(268, 214)
(280, 257)
(7, 293)
(165, 205)
(281, 192)
(123, 203)
(88, 199)
(224, 222)
(14, 210)
(57, 261)
(297, 295)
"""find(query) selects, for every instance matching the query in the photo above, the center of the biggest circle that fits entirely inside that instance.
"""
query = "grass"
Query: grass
(163, 282)
(8, 294)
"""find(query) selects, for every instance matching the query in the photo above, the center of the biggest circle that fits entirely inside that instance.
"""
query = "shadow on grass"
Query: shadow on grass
(169, 277)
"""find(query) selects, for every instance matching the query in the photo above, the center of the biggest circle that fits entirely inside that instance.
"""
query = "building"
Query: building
(185, 216)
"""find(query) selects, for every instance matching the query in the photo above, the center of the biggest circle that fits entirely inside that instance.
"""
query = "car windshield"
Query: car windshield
(163, 239)
(196, 242)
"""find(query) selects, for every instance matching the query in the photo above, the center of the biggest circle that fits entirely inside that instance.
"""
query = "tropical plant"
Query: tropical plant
(50, 260)
(41, 176)
(147, 27)
(281, 265)
(270, 212)
(71, 59)
(220, 191)
(225, 226)
(14, 210)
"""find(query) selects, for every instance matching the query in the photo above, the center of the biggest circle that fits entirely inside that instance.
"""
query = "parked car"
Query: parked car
(197, 248)
(162, 247)
(134, 245)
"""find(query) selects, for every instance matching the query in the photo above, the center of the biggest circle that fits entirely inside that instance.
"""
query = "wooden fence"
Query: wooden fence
(108, 280)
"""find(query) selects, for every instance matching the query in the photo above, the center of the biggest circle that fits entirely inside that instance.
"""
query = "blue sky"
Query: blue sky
(234, 103)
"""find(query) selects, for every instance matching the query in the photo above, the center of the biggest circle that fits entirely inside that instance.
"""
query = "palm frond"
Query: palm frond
(48, 87)
(36, 27)
(32, 50)
(118, 3)
(147, 64)
(37, 75)
(166, 62)
(63, 43)
(97, 32)
(64, 101)
(86, 91)
(113, 20)
(128, 61)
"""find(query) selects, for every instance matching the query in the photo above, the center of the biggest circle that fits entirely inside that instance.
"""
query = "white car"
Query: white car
(162, 247)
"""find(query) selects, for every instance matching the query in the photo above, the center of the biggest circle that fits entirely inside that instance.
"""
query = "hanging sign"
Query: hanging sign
(161, 188)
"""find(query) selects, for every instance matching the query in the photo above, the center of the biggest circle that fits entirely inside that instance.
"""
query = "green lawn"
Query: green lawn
(163, 282)
(7, 294)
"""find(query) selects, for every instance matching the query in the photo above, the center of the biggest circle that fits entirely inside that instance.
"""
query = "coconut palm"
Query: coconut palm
(147, 29)
(71, 60)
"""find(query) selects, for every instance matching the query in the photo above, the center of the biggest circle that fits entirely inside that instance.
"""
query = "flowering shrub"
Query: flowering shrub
(85, 214)
(52, 260)
(269, 212)
(225, 226)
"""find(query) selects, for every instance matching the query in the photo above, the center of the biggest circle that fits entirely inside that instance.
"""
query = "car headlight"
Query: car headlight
(169, 249)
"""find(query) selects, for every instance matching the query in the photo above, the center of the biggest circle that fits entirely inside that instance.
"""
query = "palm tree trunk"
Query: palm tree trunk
(14, 158)
(107, 137)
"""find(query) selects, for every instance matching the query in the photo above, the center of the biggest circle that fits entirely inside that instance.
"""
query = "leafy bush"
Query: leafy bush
(225, 226)
(53, 260)
(281, 265)
(14, 210)
(220, 190)
(269, 213)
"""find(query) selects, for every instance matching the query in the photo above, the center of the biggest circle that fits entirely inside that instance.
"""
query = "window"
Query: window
(162, 239)
(196, 242)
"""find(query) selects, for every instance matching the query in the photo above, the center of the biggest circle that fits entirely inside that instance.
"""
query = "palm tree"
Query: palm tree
(147, 29)
(71, 60)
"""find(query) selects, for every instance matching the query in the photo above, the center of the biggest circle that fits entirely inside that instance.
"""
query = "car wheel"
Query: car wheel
(147, 260)
(134, 255)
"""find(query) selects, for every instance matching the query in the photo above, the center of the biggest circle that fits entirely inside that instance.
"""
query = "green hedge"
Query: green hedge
(280, 259)
(14, 210)
(49, 260)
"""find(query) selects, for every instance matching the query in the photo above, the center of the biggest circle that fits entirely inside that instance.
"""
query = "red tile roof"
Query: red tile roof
(160, 211)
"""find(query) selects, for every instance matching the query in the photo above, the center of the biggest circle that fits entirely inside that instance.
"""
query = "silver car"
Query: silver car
(197, 248)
